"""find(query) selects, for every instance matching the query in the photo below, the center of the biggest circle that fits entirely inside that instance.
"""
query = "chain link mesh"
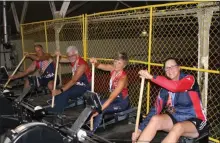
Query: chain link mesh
(32, 34)
(175, 33)
(213, 99)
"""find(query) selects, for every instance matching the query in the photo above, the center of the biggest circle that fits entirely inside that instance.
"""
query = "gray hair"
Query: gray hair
(72, 48)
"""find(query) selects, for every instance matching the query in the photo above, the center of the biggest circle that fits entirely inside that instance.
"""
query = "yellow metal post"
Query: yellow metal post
(85, 36)
(22, 42)
(45, 32)
(149, 56)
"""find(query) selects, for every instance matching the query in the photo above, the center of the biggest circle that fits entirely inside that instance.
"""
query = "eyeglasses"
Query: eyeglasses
(170, 68)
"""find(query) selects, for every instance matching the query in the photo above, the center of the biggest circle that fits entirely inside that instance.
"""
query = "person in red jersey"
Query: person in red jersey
(118, 99)
(181, 97)
(42, 62)
(79, 83)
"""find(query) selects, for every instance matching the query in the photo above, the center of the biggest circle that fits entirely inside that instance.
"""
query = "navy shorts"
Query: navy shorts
(61, 100)
(44, 81)
(118, 105)
(201, 126)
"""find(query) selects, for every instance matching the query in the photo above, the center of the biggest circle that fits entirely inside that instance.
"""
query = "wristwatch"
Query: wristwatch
(61, 89)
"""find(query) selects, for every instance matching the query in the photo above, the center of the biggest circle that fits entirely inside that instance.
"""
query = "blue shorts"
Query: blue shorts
(118, 105)
(44, 81)
(61, 100)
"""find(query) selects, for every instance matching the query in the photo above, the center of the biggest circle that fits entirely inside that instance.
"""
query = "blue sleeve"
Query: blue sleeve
(147, 119)
(158, 106)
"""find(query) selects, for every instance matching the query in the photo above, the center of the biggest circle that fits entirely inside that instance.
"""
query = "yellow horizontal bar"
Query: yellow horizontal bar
(102, 59)
(131, 61)
(64, 56)
(161, 65)
(178, 3)
(202, 70)
(139, 62)
(153, 64)
(58, 19)
(182, 67)
(142, 7)
(190, 68)
(214, 140)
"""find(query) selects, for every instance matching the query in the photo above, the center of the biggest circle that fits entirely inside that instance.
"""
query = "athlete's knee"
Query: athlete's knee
(178, 128)
(155, 119)
(161, 122)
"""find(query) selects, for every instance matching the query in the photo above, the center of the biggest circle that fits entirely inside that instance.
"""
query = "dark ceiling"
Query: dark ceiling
(40, 10)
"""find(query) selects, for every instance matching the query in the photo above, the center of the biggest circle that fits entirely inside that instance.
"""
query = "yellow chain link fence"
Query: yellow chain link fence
(188, 31)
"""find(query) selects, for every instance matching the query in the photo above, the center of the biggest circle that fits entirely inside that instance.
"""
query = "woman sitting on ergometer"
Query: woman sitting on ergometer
(180, 94)
(118, 100)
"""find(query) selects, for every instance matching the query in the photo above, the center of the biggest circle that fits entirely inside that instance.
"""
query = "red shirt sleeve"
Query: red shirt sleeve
(37, 64)
(182, 85)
